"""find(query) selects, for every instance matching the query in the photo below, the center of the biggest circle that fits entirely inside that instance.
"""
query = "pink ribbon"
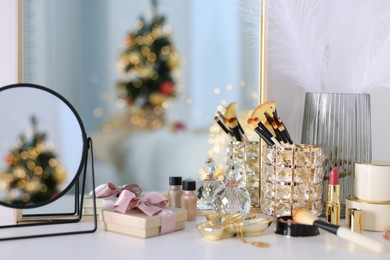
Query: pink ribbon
(151, 204)
(111, 190)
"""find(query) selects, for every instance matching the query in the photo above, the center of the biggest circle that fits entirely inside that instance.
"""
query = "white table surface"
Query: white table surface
(185, 244)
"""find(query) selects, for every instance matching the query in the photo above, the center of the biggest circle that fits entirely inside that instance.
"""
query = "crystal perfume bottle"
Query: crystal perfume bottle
(208, 186)
(230, 198)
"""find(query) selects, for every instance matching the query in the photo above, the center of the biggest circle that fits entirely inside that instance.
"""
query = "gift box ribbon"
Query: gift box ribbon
(151, 204)
(111, 190)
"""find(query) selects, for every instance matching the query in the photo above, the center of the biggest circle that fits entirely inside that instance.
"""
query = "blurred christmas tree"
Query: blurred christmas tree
(147, 64)
(34, 174)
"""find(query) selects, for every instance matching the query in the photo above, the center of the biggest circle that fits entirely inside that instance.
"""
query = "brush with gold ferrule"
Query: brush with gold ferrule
(258, 116)
(282, 128)
(279, 135)
(260, 132)
(303, 216)
(259, 122)
(233, 125)
(263, 132)
(222, 125)
(231, 119)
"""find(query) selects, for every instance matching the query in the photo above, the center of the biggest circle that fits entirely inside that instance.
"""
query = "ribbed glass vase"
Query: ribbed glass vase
(340, 123)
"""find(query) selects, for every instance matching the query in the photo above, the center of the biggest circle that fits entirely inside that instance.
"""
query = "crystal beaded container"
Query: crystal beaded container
(247, 154)
(232, 198)
(208, 186)
(291, 179)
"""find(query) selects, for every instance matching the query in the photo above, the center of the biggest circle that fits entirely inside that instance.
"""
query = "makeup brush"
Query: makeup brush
(241, 129)
(263, 132)
(267, 133)
(259, 116)
(233, 125)
(279, 135)
(230, 111)
(303, 216)
(266, 139)
(276, 122)
(223, 127)
(284, 131)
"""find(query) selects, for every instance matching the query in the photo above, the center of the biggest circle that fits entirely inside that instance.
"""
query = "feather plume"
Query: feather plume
(372, 68)
(301, 35)
(325, 45)
(354, 64)
(250, 11)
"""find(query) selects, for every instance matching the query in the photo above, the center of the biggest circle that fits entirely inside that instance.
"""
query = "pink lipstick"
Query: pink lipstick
(332, 214)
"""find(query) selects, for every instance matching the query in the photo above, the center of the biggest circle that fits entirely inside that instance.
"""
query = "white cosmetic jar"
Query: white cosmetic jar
(372, 182)
(375, 216)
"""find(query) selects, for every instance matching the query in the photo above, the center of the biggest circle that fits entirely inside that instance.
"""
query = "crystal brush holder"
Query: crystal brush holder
(246, 153)
(291, 179)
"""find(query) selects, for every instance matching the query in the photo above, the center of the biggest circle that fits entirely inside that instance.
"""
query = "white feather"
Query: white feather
(250, 11)
(328, 46)
(287, 45)
(372, 68)
(301, 35)
(355, 42)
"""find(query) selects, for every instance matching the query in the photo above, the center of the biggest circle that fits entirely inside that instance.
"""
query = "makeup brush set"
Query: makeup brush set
(229, 123)
(268, 125)
(264, 120)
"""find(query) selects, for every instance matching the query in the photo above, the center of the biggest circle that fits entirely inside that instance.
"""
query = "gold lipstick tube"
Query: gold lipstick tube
(332, 213)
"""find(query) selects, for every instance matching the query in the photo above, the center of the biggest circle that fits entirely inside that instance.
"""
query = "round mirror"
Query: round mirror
(42, 146)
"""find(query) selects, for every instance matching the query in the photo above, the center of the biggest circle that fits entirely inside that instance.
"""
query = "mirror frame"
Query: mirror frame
(84, 152)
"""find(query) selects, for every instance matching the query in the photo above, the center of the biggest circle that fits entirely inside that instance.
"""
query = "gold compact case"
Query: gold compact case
(220, 226)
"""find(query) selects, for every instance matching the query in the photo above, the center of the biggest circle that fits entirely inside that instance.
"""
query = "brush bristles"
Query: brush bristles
(303, 216)
(233, 122)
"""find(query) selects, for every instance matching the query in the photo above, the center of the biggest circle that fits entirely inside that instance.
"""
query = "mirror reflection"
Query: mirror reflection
(41, 147)
(76, 46)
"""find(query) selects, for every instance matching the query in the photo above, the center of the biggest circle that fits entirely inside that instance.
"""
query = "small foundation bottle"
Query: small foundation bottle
(174, 193)
(189, 199)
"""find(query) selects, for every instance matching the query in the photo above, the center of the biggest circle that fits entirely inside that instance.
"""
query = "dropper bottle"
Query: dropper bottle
(189, 199)
(174, 193)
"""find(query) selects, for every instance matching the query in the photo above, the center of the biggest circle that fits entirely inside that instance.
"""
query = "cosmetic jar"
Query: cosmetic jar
(375, 215)
(372, 194)
(286, 226)
(372, 182)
